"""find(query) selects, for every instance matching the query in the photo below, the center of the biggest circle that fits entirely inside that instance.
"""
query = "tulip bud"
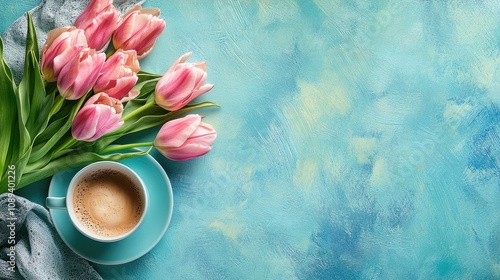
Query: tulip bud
(61, 46)
(99, 115)
(80, 74)
(185, 138)
(119, 75)
(139, 30)
(99, 20)
(182, 83)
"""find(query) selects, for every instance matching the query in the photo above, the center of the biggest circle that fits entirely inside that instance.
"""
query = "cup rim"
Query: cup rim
(92, 167)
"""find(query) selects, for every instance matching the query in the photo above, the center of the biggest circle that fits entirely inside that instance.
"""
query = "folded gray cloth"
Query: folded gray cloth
(48, 15)
(30, 247)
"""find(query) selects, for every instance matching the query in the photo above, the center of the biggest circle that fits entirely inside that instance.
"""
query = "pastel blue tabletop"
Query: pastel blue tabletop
(356, 140)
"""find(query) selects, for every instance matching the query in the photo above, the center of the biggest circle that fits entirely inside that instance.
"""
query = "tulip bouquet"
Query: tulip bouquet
(85, 90)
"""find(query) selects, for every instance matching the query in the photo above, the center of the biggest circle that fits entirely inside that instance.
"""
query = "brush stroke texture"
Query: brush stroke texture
(357, 140)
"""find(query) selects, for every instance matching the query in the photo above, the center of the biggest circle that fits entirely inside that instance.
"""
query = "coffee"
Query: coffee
(108, 203)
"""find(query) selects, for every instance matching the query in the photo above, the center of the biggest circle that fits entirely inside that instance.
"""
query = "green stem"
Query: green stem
(71, 161)
(115, 148)
(61, 150)
(57, 105)
(138, 111)
(141, 72)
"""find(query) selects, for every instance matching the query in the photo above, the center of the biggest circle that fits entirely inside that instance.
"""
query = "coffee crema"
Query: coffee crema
(108, 203)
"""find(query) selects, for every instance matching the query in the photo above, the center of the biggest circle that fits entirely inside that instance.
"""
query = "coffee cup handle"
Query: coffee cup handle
(56, 202)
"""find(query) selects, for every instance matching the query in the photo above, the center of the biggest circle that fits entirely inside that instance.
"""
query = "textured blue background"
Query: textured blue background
(357, 140)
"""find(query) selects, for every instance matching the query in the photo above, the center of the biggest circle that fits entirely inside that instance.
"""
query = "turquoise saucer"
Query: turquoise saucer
(138, 243)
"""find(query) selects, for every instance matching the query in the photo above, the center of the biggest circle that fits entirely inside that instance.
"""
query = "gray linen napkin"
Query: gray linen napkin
(30, 247)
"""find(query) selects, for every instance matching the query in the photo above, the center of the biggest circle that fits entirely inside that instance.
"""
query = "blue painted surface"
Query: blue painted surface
(357, 140)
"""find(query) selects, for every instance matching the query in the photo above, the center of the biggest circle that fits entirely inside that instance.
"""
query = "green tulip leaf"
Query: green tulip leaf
(74, 160)
(59, 131)
(34, 105)
(20, 165)
(13, 130)
(8, 107)
(60, 151)
(146, 88)
(155, 117)
(146, 76)
(30, 98)
(31, 40)
(31, 89)
(133, 105)
(49, 131)
(42, 121)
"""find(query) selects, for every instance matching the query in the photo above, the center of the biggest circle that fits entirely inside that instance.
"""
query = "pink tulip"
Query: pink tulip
(139, 30)
(99, 20)
(185, 138)
(80, 74)
(100, 114)
(61, 46)
(119, 75)
(182, 83)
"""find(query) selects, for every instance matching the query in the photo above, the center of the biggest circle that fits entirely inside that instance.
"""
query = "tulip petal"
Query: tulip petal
(131, 95)
(135, 8)
(93, 99)
(131, 60)
(174, 90)
(139, 30)
(175, 132)
(128, 30)
(146, 40)
(104, 98)
(171, 140)
(179, 60)
(65, 57)
(85, 123)
(204, 134)
(118, 75)
(100, 114)
(188, 151)
(99, 32)
(53, 34)
(94, 8)
(201, 76)
(180, 82)
(66, 79)
(58, 51)
(202, 90)
(107, 122)
(88, 71)
(122, 87)
(151, 11)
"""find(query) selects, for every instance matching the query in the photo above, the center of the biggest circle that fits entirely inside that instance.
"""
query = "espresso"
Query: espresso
(108, 203)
